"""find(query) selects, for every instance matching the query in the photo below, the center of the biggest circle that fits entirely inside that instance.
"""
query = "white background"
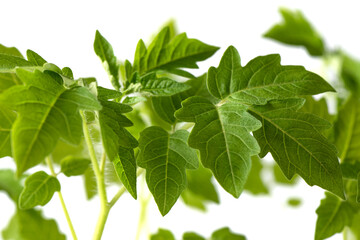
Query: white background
(63, 32)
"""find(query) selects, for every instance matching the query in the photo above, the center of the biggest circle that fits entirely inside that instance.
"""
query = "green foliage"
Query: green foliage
(169, 53)
(333, 215)
(29, 225)
(9, 184)
(38, 190)
(72, 166)
(347, 130)
(105, 52)
(221, 133)
(165, 157)
(226, 234)
(261, 80)
(162, 234)
(297, 30)
(254, 183)
(200, 188)
(158, 115)
(294, 202)
(291, 135)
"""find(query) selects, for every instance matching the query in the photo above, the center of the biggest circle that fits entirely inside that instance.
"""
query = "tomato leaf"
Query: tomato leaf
(170, 54)
(73, 166)
(105, 52)
(261, 80)
(347, 130)
(38, 190)
(226, 234)
(46, 111)
(162, 234)
(222, 134)
(333, 215)
(297, 145)
(118, 142)
(31, 224)
(7, 118)
(254, 183)
(165, 158)
(297, 30)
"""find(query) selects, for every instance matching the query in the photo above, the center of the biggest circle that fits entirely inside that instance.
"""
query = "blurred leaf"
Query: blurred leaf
(106, 94)
(347, 131)
(297, 30)
(162, 234)
(90, 183)
(350, 74)
(10, 51)
(31, 225)
(38, 190)
(254, 183)
(10, 184)
(200, 188)
(72, 166)
(63, 149)
(294, 202)
(226, 234)
(192, 236)
(7, 118)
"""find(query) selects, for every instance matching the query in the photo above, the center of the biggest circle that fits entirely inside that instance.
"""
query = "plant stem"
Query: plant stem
(104, 207)
(102, 163)
(63, 205)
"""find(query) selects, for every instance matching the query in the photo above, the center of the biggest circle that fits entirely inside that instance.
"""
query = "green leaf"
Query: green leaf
(226, 234)
(294, 202)
(222, 134)
(8, 63)
(254, 183)
(280, 177)
(118, 142)
(358, 189)
(347, 130)
(192, 236)
(105, 52)
(10, 184)
(350, 74)
(7, 118)
(350, 170)
(297, 30)
(7, 80)
(63, 149)
(354, 230)
(199, 189)
(161, 86)
(333, 215)
(72, 166)
(46, 111)
(165, 158)
(166, 106)
(162, 234)
(106, 94)
(261, 80)
(297, 145)
(90, 183)
(67, 72)
(133, 100)
(169, 54)
(35, 58)
(38, 190)
(29, 225)
(10, 51)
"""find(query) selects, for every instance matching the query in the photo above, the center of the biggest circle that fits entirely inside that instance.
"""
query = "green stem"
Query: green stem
(99, 174)
(63, 205)
(102, 163)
